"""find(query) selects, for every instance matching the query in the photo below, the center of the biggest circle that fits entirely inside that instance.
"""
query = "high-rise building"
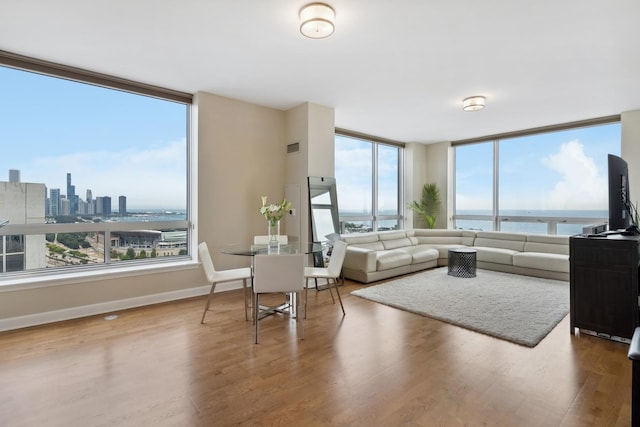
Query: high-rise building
(65, 206)
(71, 196)
(14, 175)
(122, 205)
(99, 206)
(106, 205)
(89, 196)
(82, 207)
(55, 202)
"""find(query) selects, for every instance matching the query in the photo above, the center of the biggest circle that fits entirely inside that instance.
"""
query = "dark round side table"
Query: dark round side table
(462, 262)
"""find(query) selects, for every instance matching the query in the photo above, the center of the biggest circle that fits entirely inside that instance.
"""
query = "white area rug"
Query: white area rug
(512, 307)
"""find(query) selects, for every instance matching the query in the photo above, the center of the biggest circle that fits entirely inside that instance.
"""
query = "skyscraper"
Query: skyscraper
(14, 175)
(55, 201)
(106, 205)
(122, 205)
(99, 206)
(71, 196)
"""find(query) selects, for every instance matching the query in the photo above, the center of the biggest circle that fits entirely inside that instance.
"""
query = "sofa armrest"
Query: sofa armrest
(360, 259)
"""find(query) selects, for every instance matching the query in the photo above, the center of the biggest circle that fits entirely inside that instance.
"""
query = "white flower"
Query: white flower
(274, 213)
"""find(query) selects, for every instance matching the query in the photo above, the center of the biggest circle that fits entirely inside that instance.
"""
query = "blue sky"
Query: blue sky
(112, 142)
(116, 143)
(554, 171)
(353, 165)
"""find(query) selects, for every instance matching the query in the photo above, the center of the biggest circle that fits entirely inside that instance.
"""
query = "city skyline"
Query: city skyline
(54, 198)
(119, 142)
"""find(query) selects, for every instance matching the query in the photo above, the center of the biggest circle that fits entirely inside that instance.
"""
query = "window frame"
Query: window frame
(495, 218)
(375, 217)
(63, 275)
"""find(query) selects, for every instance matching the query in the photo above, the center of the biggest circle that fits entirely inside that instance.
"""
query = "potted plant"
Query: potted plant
(429, 205)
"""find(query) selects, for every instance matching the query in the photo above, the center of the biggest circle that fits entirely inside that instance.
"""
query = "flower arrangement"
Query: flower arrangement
(274, 213)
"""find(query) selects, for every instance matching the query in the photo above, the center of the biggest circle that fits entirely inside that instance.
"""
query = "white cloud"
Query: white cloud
(581, 185)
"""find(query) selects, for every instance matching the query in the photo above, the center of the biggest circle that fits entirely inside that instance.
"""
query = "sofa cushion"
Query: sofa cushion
(396, 243)
(421, 253)
(386, 260)
(498, 239)
(542, 261)
(438, 236)
(547, 244)
(374, 246)
(354, 239)
(494, 255)
(364, 240)
(360, 259)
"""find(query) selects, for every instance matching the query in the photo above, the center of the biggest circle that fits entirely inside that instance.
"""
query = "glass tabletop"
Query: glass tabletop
(289, 248)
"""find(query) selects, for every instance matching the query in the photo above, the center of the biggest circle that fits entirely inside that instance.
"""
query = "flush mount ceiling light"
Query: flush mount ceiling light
(316, 20)
(473, 103)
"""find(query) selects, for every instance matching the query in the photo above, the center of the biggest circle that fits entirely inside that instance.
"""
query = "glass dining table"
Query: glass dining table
(289, 248)
(241, 249)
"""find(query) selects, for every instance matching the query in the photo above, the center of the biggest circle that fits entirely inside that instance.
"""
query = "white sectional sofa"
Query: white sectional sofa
(376, 256)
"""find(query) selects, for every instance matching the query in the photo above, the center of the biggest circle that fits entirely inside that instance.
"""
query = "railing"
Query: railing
(28, 251)
(528, 224)
(368, 223)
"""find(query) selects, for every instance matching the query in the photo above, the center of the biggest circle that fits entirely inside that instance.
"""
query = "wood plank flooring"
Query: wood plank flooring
(377, 366)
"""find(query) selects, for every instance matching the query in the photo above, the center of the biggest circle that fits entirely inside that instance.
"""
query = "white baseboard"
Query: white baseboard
(36, 319)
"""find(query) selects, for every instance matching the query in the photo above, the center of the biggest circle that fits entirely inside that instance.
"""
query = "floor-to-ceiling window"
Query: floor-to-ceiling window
(369, 179)
(552, 182)
(96, 170)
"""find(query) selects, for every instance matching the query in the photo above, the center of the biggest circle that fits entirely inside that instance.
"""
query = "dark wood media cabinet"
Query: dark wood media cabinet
(604, 285)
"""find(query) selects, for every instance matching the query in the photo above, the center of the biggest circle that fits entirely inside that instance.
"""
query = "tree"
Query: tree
(429, 206)
(130, 254)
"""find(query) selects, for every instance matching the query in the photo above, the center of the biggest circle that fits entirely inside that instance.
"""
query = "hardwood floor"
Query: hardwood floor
(377, 366)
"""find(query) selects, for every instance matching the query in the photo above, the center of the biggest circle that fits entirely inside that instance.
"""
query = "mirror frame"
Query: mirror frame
(319, 185)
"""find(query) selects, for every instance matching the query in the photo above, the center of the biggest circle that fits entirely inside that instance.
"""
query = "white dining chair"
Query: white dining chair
(331, 273)
(277, 274)
(264, 240)
(214, 276)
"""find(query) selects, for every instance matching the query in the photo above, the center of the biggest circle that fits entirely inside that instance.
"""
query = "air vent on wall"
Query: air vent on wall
(293, 148)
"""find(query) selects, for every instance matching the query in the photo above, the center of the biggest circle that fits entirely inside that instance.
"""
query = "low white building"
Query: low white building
(22, 203)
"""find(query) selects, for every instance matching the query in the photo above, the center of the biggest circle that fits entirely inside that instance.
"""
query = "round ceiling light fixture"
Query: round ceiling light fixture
(473, 103)
(316, 20)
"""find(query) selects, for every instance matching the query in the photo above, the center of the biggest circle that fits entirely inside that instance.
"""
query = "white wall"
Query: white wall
(427, 164)
(241, 156)
(313, 127)
(631, 150)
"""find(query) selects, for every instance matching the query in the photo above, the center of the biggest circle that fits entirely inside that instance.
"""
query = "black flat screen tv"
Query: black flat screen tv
(619, 201)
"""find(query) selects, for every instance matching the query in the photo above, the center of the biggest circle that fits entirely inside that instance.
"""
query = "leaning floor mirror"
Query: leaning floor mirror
(323, 208)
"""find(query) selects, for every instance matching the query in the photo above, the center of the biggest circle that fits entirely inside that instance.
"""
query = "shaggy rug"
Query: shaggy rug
(512, 307)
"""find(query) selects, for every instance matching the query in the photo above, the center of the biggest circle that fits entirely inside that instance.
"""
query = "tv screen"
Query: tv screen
(619, 201)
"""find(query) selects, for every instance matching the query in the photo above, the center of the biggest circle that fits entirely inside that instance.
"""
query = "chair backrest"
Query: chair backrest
(264, 240)
(337, 258)
(205, 260)
(278, 273)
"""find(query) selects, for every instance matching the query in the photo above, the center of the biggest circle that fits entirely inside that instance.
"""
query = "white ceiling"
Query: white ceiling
(395, 69)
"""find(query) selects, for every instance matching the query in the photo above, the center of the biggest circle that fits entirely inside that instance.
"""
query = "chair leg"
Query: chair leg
(335, 284)
(244, 294)
(255, 314)
(206, 307)
(333, 300)
(300, 318)
(306, 291)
